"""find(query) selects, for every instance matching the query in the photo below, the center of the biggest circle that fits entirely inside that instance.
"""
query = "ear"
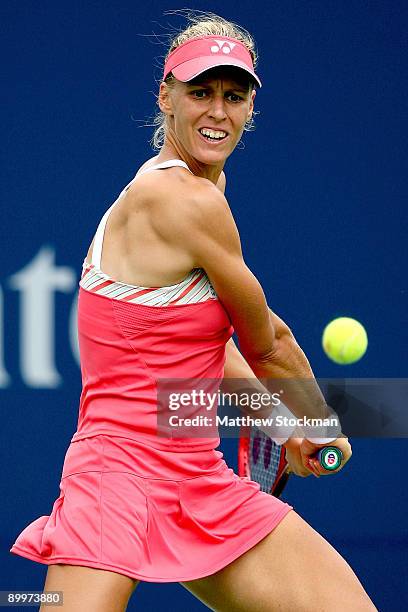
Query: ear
(251, 104)
(164, 100)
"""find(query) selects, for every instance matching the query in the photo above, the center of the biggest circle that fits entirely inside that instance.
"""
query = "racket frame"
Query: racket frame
(244, 469)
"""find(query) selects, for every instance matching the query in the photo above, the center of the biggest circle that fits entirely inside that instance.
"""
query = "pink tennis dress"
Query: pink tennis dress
(157, 509)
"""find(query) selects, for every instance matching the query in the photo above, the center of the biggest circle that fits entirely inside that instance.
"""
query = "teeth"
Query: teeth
(212, 133)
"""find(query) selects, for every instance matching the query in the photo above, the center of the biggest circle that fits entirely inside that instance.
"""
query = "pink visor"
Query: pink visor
(204, 52)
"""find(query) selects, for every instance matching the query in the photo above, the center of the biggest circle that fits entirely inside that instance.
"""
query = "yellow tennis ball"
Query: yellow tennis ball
(344, 340)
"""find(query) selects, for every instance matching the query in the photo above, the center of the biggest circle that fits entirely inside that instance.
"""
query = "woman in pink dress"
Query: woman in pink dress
(161, 293)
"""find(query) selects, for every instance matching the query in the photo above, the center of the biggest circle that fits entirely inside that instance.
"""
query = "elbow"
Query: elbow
(281, 329)
(277, 339)
(284, 345)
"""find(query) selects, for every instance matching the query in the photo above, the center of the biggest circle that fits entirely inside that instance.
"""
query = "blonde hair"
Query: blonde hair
(201, 24)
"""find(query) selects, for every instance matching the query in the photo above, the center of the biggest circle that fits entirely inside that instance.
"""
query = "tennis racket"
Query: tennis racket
(264, 462)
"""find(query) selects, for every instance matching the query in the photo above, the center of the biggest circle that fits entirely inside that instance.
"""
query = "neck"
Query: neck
(171, 149)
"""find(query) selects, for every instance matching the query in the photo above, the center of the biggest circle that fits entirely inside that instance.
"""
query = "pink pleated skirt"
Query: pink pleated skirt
(152, 515)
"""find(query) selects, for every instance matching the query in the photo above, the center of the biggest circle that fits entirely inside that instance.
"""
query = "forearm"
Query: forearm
(239, 379)
(287, 367)
(238, 375)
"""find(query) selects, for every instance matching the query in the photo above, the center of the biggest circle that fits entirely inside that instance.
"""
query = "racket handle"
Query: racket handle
(329, 457)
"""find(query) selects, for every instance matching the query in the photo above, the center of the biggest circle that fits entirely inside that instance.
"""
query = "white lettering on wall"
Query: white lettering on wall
(37, 283)
(5, 379)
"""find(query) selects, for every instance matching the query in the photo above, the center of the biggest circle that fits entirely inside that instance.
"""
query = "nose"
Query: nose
(217, 108)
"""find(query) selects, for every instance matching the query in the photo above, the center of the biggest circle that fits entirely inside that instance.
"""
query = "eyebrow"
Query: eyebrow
(206, 84)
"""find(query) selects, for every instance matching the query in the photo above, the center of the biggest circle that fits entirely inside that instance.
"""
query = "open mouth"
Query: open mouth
(213, 135)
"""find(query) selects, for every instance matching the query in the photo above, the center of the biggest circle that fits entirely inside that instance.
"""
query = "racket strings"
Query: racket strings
(264, 459)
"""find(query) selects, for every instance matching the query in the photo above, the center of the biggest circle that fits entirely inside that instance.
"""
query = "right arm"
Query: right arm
(204, 227)
(266, 342)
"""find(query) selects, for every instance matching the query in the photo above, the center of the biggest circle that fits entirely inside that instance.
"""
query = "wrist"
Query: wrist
(292, 443)
(321, 440)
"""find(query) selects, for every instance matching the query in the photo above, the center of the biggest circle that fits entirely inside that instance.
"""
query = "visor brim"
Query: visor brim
(192, 68)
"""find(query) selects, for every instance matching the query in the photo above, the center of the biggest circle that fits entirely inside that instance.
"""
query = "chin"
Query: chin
(210, 157)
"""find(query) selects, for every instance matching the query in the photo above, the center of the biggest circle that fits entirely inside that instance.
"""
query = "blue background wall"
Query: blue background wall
(319, 194)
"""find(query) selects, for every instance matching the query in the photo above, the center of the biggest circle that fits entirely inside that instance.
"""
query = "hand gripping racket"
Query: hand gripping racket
(264, 462)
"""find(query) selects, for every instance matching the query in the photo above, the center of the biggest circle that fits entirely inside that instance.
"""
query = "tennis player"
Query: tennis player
(161, 300)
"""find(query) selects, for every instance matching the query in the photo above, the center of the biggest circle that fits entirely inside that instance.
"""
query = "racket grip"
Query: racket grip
(329, 457)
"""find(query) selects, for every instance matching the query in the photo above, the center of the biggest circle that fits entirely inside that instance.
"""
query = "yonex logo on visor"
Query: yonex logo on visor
(222, 45)
(199, 54)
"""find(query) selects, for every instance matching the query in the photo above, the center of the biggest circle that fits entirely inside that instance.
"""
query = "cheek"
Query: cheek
(186, 122)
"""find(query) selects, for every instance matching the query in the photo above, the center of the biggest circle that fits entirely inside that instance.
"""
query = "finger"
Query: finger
(307, 451)
(307, 469)
(312, 465)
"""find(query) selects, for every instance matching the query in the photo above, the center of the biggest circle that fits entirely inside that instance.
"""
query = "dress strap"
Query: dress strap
(98, 239)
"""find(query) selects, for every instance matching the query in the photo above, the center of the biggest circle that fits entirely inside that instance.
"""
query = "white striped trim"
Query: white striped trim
(195, 288)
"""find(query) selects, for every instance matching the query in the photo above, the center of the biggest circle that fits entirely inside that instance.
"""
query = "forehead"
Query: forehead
(231, 75)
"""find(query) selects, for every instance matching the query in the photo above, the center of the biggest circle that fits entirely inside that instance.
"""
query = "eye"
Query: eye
(198, 93)
(235, 97)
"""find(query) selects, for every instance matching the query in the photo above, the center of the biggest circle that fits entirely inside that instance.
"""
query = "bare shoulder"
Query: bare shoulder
(178, 202)
(222, 181)
(174, 181)
(199, 216)
(206, 200)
